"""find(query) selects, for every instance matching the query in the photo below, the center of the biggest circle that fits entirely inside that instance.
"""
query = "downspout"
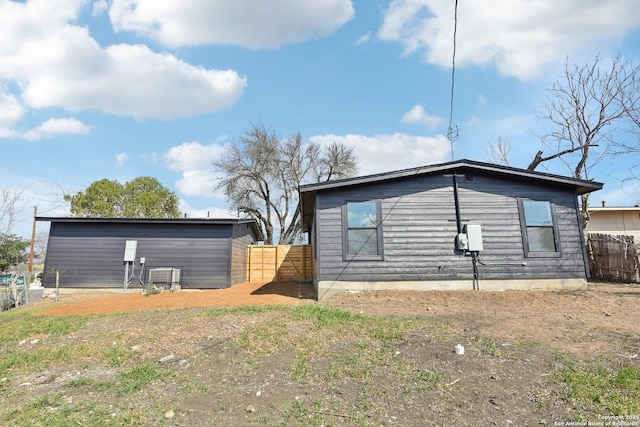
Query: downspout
(456, 202)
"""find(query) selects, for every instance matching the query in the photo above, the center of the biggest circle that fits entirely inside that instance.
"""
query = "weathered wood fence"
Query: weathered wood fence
(616, 257)
(279, 262)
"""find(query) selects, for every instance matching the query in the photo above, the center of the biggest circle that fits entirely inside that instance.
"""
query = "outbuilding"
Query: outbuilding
(120, 252)
(457, 225)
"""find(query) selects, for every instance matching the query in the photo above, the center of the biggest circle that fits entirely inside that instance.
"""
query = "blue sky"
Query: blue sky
(126, 88)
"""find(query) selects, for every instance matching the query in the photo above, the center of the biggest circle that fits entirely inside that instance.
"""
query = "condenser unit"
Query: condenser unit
(164, 276)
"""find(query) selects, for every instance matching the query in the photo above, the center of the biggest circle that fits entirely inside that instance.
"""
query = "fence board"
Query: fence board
(279, 262)
(616, 257)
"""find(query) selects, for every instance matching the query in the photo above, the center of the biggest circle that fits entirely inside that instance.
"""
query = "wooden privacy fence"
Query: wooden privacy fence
(615, 257)
(279, 262)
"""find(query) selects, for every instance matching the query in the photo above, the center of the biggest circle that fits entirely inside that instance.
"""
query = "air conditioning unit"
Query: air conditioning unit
(164, 276)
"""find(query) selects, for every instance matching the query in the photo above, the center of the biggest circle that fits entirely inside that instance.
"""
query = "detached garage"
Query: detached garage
(191, 252)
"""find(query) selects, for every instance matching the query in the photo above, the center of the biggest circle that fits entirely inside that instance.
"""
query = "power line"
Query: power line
(452, 132)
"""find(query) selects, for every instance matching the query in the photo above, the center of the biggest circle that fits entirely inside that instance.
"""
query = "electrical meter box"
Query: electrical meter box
(474, 237)
(130, 250)
(462, 243)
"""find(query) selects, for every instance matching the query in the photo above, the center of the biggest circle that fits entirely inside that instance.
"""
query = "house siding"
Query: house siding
(615, 221)
(90, 254)
(419, 229)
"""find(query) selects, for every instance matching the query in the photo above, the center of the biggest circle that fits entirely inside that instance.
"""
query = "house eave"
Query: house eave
(207, 221)
(308, 192)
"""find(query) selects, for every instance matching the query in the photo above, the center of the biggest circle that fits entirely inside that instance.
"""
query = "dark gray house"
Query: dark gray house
(457, 225)
(193, 253)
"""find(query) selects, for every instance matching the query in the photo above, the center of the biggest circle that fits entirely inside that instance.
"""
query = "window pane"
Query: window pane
(537, 213)
(541, 239)
(362, 214)
(363, 242)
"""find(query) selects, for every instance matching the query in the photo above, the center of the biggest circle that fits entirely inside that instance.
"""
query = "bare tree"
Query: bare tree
(8, 210)
(499, 151)
(261, 174)
(336, 161)
(588, 109)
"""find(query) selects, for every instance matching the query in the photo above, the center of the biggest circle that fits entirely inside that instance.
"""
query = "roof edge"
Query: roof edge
(228, 221)
(582, 186)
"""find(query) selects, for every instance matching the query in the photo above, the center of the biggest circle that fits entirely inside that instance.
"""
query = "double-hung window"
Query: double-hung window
(362, 230)
(539, 228)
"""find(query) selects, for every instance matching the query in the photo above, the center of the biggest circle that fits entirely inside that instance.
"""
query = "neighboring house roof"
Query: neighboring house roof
(308, 191)
(616, 209)
(209, 221)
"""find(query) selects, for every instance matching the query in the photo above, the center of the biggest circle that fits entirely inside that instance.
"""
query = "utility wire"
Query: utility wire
(452, 132)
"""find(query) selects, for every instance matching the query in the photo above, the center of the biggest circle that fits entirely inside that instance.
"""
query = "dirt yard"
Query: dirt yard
(114, 301)
(268, 369)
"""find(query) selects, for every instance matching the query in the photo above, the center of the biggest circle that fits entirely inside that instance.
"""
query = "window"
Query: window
(540, 232)
(363, 233)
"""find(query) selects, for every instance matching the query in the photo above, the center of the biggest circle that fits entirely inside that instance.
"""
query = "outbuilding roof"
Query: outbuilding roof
(463, 166)
(208, 221)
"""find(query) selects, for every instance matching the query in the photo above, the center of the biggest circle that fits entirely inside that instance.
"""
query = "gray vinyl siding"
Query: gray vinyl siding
(419, 229)
(90, 255)
(242, 238)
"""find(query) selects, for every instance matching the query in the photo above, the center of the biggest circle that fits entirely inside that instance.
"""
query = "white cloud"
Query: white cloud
(378, 153)
(475, 122)
(240, 22)
(209, 212)
(213, 213)
(11, 110)
(99, 6)
(363, 39)
(122, 158)
(519, 37)
(384, 153)
(54, 127)
(193, 161)
(196, 183)
(192, 155)
(56, 63)
(418, 115)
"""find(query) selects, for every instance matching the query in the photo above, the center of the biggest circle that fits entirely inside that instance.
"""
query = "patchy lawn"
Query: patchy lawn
(268, 355)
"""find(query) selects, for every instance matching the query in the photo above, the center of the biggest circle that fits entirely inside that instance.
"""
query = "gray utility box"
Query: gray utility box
(470, 240)
(474, 237)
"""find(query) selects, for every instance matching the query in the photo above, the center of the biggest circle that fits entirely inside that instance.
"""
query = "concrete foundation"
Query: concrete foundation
(327, 288)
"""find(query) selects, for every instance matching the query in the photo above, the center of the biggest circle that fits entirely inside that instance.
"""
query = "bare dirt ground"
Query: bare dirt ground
(74, 301)
(516, 343)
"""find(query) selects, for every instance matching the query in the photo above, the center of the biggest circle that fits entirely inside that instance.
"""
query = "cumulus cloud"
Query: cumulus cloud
(520, 38)
(99, 6)
(122, 158)
(384, 153)
(213, 212)
(363, 39)
(247, 23)
(54, 127)
(56, 63)
(418, 115)
(208, 212)
(11, 110)
(193, 161)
